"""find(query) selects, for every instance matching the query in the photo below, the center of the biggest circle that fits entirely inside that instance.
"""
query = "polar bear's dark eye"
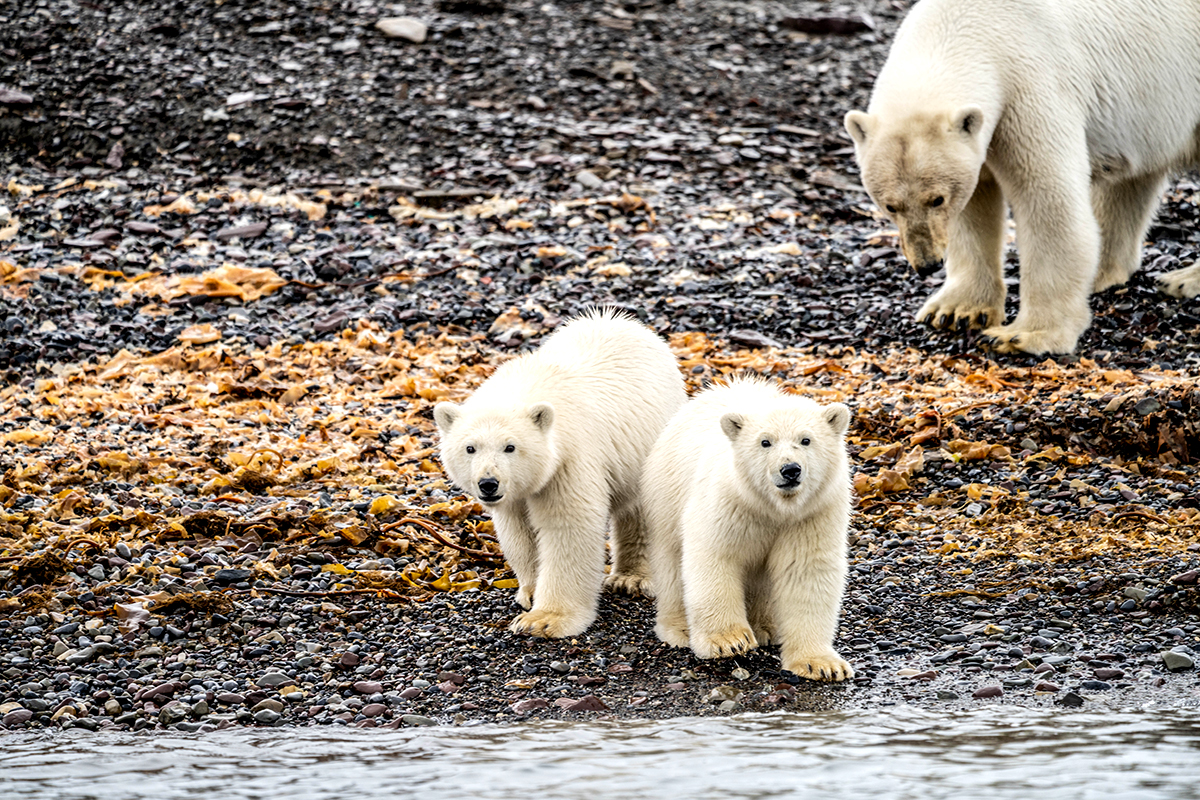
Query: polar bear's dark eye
(766, 442)
(937, 201)
(470, 449)
(890, 209)
(806, 442)
(510, 448)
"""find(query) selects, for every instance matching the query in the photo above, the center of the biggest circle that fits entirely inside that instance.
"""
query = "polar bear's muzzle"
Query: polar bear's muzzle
(790, 475)
(489, 490)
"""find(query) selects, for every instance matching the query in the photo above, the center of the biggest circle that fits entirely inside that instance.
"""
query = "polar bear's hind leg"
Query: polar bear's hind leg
(1124, 209)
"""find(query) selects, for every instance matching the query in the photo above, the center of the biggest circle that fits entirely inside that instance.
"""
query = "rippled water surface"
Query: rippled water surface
(894, 753)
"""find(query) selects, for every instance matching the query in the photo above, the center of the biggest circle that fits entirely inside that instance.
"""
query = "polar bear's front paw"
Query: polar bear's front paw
(630, 583)
(548, 624)
(1182, 282)
(950, 309)
(764, 632)
(1017, 339)
(732, 641)
(675, 635)
(821, 667)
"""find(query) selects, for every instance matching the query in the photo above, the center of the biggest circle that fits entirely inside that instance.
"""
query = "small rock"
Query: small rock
(589, 702)
(274, 679)
(740, 674)
(368, 687)
(418, 720)
(622, 70)
(269, 703)
(345, 46)
(251, 231)
(112, 707)
(14, 98)
(722, 693)
(1046, 686)
(174, 713)
(267, 716)
(1109, 673)
(373, 710)
(228, 576)
(988, 691)
(1147, 406)
(82, 656)
(18, 717)
(729, 707)
(241, 98)
(748, 338)
(1070, 700)
(529, 704)
(408, 28)
(1189, 578)
(588, 179)
(946, 694)
(1176, 662)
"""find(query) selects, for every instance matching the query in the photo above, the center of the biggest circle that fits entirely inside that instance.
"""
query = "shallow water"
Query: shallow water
(894, 753)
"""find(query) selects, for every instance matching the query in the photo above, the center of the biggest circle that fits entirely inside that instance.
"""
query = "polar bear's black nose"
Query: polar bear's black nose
(791, 472)
(488, 486)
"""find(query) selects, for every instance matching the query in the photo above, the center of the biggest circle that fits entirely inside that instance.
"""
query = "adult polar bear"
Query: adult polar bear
(1074, 111)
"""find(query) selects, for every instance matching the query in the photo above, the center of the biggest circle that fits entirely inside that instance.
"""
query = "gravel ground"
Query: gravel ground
(249, 248)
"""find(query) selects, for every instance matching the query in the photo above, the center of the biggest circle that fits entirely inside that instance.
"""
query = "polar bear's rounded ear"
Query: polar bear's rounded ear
(838, 417)
(967, 120)
(859, 126)
(542, 415)
(732, 425)
(445, 414)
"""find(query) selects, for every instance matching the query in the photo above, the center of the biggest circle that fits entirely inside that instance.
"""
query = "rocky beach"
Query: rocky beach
(245, 250)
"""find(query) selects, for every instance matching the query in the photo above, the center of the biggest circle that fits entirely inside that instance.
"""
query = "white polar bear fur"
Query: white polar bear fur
(737, 561)
(581, 414)
(1087, 108)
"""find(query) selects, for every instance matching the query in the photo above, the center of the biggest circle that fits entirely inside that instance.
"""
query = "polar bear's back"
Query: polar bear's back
(613, 383)
(1112, 64)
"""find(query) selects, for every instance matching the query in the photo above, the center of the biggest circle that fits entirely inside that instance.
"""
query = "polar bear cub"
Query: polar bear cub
(1073, 112)
(747, 494)
(554, 443)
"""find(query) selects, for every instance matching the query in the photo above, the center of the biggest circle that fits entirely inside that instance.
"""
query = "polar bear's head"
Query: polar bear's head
(790, 453)
(920, 169)
(497, 455)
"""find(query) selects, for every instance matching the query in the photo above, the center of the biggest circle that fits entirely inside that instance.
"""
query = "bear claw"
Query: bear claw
(831, 667)
(765, 635)
(635, 585)
(524, 598)
(545, 624)
(674, 635)
(731, 642)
